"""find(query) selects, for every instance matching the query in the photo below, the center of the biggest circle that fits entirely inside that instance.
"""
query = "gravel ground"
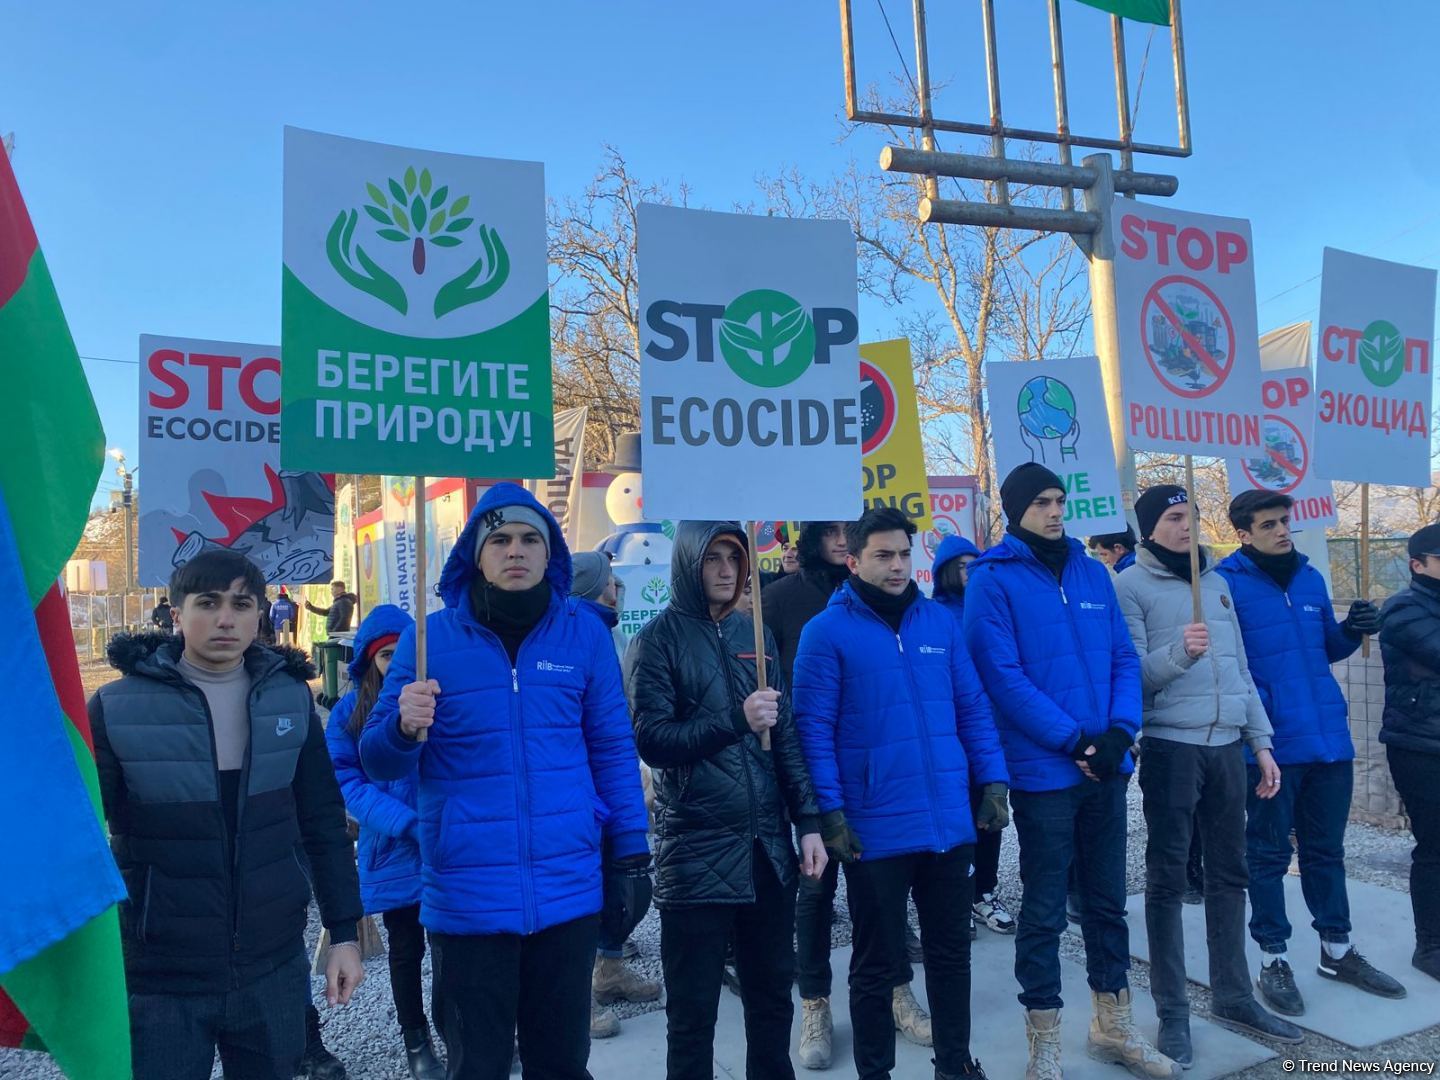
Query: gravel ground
(366, 1038)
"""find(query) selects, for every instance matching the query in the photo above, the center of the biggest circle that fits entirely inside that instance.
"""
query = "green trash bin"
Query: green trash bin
(327, 659)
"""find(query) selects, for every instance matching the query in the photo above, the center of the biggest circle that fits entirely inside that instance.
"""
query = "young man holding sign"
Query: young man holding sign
(1291, 639)
(1055, 655)
(1200, 703)
(527, 766)
(724, 861)
(897, 730)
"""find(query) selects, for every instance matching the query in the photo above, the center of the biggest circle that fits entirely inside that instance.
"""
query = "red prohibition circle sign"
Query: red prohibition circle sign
(1180, 347)
(877, 407)
(944, 525)
(1274, 460)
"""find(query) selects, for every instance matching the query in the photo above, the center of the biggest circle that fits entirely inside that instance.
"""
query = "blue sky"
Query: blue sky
(149, 135)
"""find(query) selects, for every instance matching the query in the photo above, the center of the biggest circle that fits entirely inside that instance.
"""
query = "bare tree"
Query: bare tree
(986, 293)
(594, 300)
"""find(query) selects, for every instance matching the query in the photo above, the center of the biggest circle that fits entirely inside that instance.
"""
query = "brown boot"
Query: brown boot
(1042, 1031)
(911, 1020)
(604, 1024)
(612, 981)
(1115, 1038)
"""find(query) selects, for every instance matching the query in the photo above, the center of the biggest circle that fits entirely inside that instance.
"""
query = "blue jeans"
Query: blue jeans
(1083, 825)
(1314, 800)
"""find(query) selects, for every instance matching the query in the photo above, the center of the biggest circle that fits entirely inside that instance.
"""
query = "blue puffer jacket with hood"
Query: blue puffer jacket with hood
(1291, 639)
(951, 548)
(526, 766)
(389, 851)
(895, 726)
(1055, 657)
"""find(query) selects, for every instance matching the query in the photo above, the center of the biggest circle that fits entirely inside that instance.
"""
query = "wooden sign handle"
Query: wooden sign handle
(1365, 558)
(758, 619)
(1196, 611)
(420, 602)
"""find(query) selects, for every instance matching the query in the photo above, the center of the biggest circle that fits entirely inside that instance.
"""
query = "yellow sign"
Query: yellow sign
(894, 463)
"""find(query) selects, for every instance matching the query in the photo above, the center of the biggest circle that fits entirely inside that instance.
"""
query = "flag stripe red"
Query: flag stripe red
(17, 235)
(52, 618)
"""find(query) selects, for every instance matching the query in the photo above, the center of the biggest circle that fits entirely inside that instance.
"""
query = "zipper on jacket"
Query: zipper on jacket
(1079, 649)
(917, 711)
(522, 798)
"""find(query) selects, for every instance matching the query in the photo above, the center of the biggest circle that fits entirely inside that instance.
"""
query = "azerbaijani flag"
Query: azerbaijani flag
(62, 979)
(1151, 11)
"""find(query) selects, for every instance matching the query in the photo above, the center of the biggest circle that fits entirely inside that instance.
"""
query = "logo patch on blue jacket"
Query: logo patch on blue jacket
(549, 665)
(932, 650)
(1086, 605)
(284, 726)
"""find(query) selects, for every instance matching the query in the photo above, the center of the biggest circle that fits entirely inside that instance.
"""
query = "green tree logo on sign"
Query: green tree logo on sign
(413, 211)
(1382, 353)
(656, 591)
(767, 338)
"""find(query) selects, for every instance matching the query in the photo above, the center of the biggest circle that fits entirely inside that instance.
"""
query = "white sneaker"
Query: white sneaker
(990, 911)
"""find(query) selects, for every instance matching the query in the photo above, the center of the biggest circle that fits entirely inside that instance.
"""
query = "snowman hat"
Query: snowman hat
(627, 454)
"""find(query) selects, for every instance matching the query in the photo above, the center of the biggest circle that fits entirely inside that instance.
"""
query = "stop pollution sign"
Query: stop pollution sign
(1185, 303)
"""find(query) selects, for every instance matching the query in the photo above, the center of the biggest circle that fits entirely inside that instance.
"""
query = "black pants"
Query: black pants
(1187, 787)
(987, 849)
(259, 1029)
(406, 951)
(492, 987)
(1417, 779)
(814, 916)
(877, 890)
(692, 951)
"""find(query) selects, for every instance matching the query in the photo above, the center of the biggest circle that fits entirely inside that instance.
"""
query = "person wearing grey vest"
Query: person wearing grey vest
(1199, 704)
(213, 770)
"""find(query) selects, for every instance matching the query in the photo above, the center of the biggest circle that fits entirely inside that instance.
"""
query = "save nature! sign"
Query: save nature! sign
(415, 314)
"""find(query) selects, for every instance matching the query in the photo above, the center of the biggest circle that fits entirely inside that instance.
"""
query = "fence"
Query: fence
(96, 617)
(1389, 568)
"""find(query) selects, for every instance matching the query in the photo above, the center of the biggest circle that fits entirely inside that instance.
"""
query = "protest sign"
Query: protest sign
(894, 458)
(1374, 384)
(644, 592)
(370, 563)
(414, 311)
(1287, 463)
(1053, 412)
(749, 367)
(1185, 308)
(561, 493)
(397, 501)
(210, 448)
(954, 510)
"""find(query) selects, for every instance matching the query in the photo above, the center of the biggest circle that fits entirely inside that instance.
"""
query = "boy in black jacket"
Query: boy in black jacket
(212, 768)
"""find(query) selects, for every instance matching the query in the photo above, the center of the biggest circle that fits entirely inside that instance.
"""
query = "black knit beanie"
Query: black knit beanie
(1152, 504)
(1022, 485)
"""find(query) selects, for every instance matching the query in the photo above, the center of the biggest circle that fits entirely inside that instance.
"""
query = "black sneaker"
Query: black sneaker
(1354, 969)
(971, 1071)
(319, 1064)
(1254, 1020)
(1277, 987)
(1174, 1042)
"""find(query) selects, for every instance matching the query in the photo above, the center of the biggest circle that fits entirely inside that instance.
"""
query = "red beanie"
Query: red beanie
(378, 644)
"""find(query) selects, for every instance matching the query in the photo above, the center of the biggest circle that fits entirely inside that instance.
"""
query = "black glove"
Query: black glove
(1364, 618)
(1082, 745)
(631, 866)
(1110, 749)
(839, 840)
(994, 812)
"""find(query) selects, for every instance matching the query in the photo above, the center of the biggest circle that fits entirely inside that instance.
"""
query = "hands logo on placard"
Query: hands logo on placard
(754, 355)
(656, 591)
(413, 211)
(1382, 353)
(402, 490)
(1048, 421)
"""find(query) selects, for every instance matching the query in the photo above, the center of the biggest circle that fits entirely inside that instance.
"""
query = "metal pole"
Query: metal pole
(1365, 556)
(922, 91)
(759, 620)
(129, 549)
(1099, 198)
(1122, 90)
(1062, 100)
(1182, 92)
(847, 54)
(420, 604)
(992, 79)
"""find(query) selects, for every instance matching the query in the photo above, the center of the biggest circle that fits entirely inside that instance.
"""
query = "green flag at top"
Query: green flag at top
(1151, 11)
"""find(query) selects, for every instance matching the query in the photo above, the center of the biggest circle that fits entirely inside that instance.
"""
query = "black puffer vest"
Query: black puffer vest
(205, 915)
(1410, 647)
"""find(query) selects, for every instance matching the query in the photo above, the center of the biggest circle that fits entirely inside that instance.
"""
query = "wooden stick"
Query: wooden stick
(1195, 610)
(420, 603)
(1365, 557)
(758, 619)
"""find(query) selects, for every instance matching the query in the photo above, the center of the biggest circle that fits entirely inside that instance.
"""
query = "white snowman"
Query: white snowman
(635, 541)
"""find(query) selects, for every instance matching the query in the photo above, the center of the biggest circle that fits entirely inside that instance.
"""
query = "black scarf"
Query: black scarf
(889, 607)
(1177, 562)
(826, 575)
(1053, 554)
(1420, 581)
(1282, 568)
(510, 616)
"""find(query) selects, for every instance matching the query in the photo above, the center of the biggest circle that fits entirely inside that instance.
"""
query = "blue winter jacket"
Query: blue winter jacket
(1056, 659)
(952, 547)
(1126, 561)
(525, 766)
(1291, 639)
(389, 852)
(895, 727)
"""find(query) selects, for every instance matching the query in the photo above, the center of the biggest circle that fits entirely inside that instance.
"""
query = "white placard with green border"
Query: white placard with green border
(415, 312)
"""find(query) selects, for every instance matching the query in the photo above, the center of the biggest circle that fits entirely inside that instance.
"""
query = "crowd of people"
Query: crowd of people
(522, 805)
